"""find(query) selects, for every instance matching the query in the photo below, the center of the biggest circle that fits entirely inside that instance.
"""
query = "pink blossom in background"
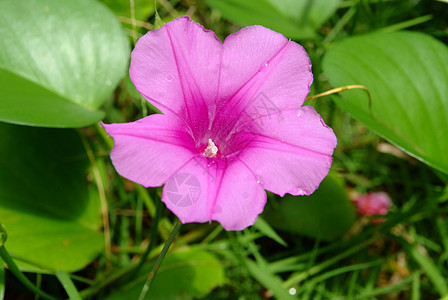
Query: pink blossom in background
(372, 204)
(232, 122)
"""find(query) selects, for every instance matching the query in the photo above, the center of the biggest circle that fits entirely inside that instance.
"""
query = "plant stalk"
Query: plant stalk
(159, 260)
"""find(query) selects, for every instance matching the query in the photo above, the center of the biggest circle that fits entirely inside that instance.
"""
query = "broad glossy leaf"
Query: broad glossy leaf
(189, 273)
(49, 209)
(298, 19)
(66, 56)
(27, 103)
(407, 75)
(326, 214)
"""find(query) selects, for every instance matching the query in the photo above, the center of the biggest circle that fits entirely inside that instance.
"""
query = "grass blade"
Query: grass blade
(68, 285)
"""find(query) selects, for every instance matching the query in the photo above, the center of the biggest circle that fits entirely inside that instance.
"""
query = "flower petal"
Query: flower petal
(176, 67)
(149, 150)
(206, 189)
(291, 152)
(262, 72)
(257, 60)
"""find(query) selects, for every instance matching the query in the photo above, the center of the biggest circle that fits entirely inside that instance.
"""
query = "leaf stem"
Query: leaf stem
(159, 260)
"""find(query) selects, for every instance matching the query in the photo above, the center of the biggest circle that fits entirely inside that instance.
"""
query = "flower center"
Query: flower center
(211, 149)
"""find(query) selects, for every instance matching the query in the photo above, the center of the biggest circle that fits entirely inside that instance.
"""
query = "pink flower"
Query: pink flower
(231, 127)
(372, 204)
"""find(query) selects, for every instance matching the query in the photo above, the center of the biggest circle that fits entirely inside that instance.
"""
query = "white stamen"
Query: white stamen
(211, 149)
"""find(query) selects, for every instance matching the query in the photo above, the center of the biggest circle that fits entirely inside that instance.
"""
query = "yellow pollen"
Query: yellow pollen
(211, 149)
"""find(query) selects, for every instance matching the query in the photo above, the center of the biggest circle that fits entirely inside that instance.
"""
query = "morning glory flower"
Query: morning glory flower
(233, 124)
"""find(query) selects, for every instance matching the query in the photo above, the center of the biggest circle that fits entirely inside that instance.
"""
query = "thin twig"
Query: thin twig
(346, 88)
(171, 10)
(134, 27)
(103, 199)
(352, 87)
(138, 23)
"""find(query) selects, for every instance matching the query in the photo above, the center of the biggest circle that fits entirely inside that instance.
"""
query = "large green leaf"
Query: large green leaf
(186, 274)
(50, 211)
(297, 19)
(305, 214)
(25, 102)
(66, 58)
(407, 75)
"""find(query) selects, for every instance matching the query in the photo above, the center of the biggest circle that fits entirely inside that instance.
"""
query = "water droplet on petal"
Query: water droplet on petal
(299, 113)
(169, 77)
(300, 192)
(259, 179)
(266, 64)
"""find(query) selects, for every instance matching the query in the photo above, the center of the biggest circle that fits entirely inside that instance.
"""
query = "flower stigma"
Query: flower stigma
(211, 149)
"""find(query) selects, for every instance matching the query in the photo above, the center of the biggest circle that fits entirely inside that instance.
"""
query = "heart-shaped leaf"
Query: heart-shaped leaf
(406, 74)
(186, 274)
(50, 212)
(66, 57)
(304, 214)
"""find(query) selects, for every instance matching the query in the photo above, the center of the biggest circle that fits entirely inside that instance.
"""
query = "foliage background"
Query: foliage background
(78, 230)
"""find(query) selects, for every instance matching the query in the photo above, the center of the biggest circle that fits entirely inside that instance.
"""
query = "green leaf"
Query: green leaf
(27, 103)
(66, 58)
(184, 274)
(407, 75)
(298, 19)
(2, 280)
(268, 280)
(49, 209)
(311, 13)
(266, 229)
(304, 214)
(431, 269)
